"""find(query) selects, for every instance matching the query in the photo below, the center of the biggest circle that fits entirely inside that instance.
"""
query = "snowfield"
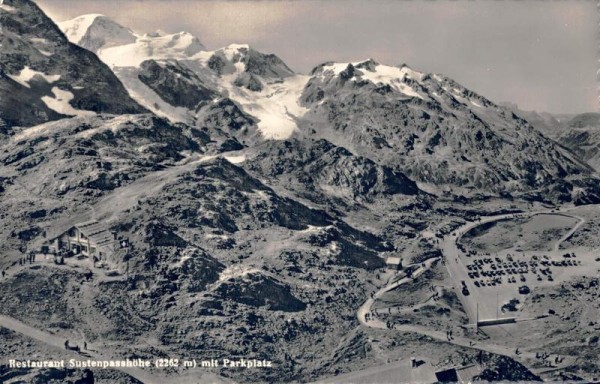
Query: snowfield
(276, 106)
(27, 74)
(157, 46)
(60, 103)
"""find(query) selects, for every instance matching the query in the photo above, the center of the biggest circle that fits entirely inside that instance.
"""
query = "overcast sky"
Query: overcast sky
(541, 55)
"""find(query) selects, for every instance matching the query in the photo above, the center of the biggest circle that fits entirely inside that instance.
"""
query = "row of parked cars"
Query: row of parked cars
(498, 280)
(500, 272)
(561, 263)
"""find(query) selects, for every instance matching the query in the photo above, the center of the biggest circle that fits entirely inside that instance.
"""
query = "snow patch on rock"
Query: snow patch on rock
(395, 77)
(236, 271)
(7, 8)
(27, 74)
(61, 103)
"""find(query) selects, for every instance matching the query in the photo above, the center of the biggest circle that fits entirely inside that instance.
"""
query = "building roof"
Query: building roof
(467, 373)
(393, 260)
(461, 375)
(447, 375)
(97, 232)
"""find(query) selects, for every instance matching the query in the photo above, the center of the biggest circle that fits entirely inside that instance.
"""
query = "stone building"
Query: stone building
(91, 238)
(393, 263)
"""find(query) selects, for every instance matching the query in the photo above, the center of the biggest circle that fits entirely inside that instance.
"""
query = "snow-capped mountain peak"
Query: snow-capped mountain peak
(237, 58)
(76, 28)
(178, 46)
(401, 79)
(96, 31)
(119, 46)
(235, 49)
(158, 66)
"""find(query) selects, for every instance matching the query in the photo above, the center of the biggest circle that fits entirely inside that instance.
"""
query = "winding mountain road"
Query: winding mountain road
(437, 335)
(366, 307)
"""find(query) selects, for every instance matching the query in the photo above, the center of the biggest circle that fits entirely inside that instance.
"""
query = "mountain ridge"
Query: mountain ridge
(45, 77)
(436, 131)
(444, 133)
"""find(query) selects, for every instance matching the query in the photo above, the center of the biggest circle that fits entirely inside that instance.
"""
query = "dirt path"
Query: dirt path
(59, 342)
(20, 327)
(140, 374)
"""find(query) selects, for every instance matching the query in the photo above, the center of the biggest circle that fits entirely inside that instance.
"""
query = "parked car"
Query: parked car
(524, 290)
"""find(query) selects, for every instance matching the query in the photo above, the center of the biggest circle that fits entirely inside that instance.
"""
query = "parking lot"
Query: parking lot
(486, 271)
(496, 284)
(501, 282)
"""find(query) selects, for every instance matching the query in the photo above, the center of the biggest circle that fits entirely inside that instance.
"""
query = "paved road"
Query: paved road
(570, 233)
(366, 307)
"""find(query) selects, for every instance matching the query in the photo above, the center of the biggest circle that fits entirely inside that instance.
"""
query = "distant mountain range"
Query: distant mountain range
(577, 132)
(581, 134)
(437, 132)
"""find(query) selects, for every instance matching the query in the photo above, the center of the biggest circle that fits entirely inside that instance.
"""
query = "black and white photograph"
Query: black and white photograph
(299, 191)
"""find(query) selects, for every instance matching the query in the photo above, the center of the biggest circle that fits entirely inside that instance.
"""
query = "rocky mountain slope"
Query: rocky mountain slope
(581, 134)
(44, 77)
(435, 130)
(578, 133)
(549, 124)
(318, 170)
(54, 170)
(216, 253)
(204, 231)
(427, 126)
